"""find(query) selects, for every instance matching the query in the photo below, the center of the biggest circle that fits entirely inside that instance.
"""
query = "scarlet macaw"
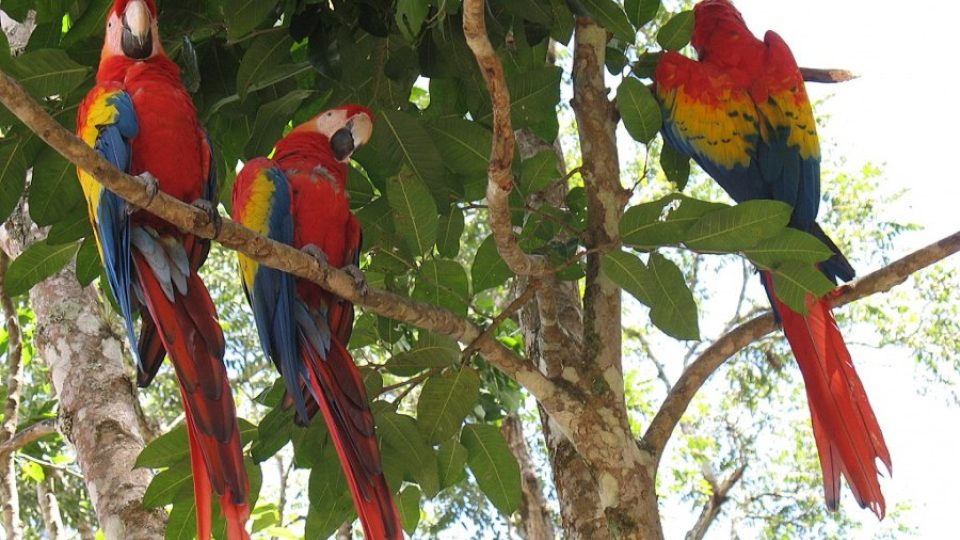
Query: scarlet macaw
(743, 114)
(141, 119)
(299, 198)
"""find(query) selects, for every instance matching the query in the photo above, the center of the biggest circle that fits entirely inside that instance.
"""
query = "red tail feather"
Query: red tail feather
(848, 436)
(192, 337)
(343, 402)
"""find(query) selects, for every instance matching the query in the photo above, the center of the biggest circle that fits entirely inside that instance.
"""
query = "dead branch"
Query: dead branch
(819, 75)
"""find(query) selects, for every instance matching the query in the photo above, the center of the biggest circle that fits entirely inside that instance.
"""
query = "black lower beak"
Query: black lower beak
(136, 47)
(342, 144)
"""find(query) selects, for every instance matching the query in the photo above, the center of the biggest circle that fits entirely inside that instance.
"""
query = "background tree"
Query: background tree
(495, 214)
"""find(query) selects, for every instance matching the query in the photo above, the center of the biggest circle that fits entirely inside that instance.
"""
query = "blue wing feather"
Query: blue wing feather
(113, 220)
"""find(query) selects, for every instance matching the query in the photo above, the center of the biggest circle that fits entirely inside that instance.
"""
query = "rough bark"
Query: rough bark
(97, 403)
(9, 498)
(535, 522)
(624, 474)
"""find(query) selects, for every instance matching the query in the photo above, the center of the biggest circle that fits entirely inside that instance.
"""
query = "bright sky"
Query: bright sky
(901, 114)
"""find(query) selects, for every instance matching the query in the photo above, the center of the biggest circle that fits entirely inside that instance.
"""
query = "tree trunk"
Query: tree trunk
(535, 522)
(97, 403)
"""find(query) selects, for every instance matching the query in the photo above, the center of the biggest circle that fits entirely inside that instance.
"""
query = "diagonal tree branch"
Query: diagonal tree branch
(499, 177)
(274, 254)
(827, 75)
(882, 280)
(29, 434)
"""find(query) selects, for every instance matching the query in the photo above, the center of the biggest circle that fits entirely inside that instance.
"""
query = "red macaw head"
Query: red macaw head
(132, 30)
(711, 16)
(347, 127)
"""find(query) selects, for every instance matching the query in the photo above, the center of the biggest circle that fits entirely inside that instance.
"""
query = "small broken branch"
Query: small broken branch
(499, 175)
(827, 75)
(882, 280)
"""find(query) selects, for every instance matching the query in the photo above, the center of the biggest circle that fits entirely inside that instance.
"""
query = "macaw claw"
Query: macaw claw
(359, 280)
(314, 251)
(151, 186)
(212, 214)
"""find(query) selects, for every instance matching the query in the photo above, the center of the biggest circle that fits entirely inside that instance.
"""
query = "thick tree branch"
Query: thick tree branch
(274, 254)
(882, 280)
(827, 75)
(34, 432)
(499, 176)
(8, 474)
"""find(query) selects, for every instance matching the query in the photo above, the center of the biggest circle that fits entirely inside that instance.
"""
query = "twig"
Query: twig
(514, 306)
(882, 280)
(827, 75)
(499, 175)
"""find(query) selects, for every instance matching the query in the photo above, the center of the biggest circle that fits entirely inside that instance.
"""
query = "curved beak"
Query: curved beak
(352, 136)
(137, 40)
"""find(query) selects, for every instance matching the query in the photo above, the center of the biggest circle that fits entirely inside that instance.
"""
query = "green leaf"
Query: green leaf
(165, 450)
(789, 245)
(410, 17)
(271, 119)
(452, 461)
(538, 172)
(402, 139)
(275, 431)
(400, 432)
(629, 273)
(72, 228)
(640, 12)
(431, 350)
(54, 189)
(40, 261)
(675, 165)
(445, 401)
(611, 16)
(794, 281)
(33, 471)
(408, 503)
(49, 72)
(639, 109)
(488, 269)
(464, 145)
(414, 211)
(743, 226)
(267, 56)
(663, 222)
(88, 262)
(449, 231)
(674, 311)
(90, 23)
(534, 96)
(443, 283)
(676, 33)
(182, 523)
(242, 16)
(13, 170)
(493, 465)
(330, 502)
(165, 486)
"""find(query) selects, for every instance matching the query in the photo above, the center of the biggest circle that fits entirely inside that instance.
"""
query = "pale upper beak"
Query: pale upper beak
(137, 40)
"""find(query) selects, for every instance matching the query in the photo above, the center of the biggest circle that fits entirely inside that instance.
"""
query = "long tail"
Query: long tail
(190, 333)
(338, 388)
(848, 437)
